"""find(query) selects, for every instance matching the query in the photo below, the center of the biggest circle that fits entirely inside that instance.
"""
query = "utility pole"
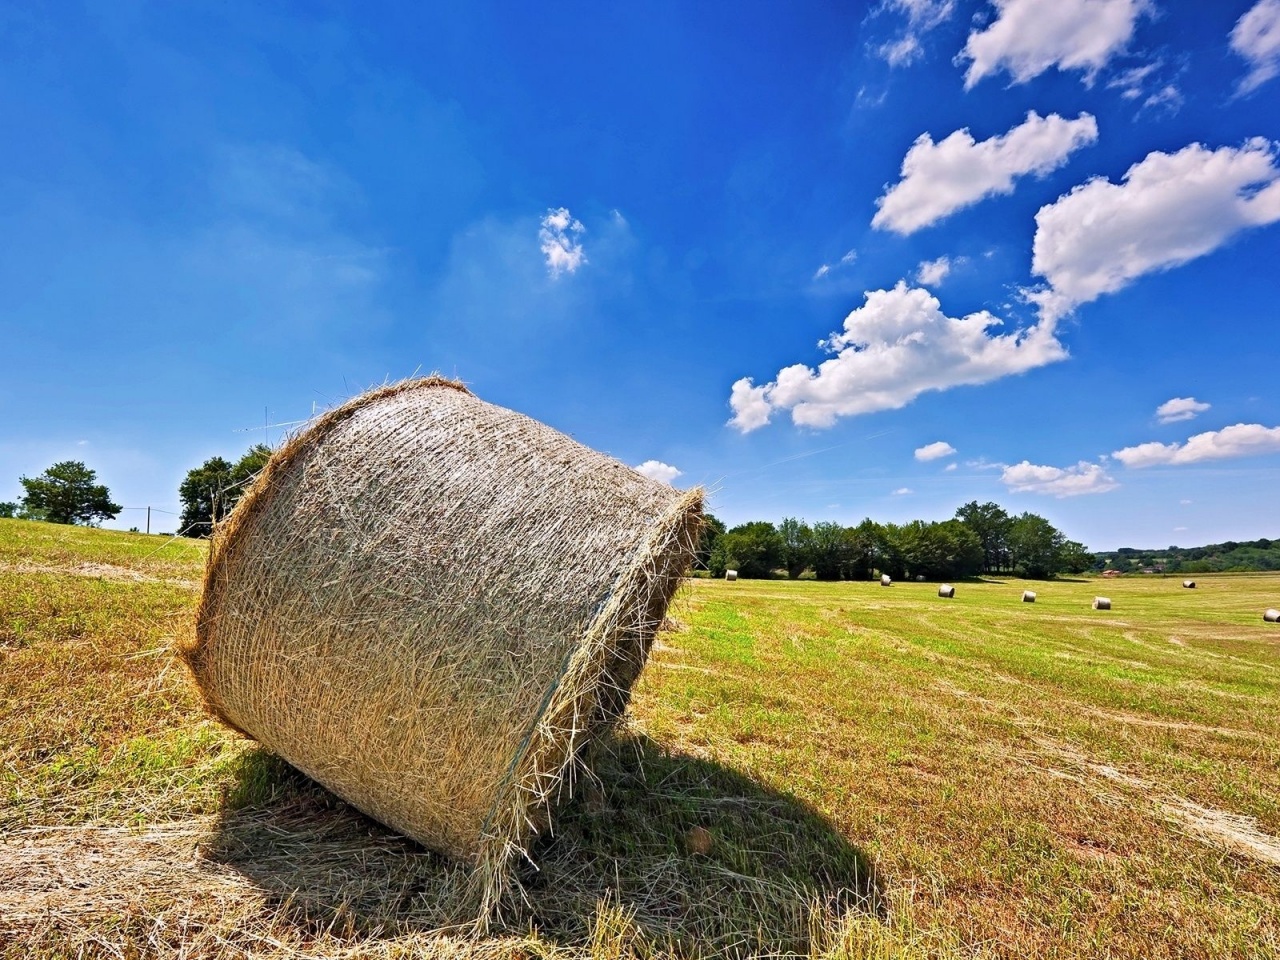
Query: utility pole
(148, 519)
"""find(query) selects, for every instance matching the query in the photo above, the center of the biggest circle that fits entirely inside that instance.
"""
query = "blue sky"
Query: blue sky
(831, 261)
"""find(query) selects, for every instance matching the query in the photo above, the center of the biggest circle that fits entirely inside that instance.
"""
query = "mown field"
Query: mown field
(833, 770)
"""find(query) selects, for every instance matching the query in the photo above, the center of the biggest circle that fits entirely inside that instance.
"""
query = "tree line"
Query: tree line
(979, 539)
(69, 492)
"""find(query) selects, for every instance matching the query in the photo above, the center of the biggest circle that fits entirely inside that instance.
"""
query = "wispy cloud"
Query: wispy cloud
(958, 171)
(558, 238)
(1256, 38)
(1083, 478)
(931, 273)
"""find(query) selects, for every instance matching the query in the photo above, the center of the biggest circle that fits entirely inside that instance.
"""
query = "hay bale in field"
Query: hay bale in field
(1102, 603)
(1189, 584)
(731, 575)
(1028, 596)
(947, 590)
(1271, 615)
(919, 578)
(429, 604)
(886, 580)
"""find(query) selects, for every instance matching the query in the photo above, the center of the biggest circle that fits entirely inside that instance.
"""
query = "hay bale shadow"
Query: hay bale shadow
(697, 857)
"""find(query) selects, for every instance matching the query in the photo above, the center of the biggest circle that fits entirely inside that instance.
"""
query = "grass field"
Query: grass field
(834, 770)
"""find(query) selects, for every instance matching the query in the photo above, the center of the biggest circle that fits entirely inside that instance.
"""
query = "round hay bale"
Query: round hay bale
(429, 604)
(1189, 584)
(947, 590)
(1271, 615)
(1102, 603)
(1028, 596)
(886, 580)
(731, 575)
(919, 578)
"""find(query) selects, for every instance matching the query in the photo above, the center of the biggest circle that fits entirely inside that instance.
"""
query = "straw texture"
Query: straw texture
(429, 604)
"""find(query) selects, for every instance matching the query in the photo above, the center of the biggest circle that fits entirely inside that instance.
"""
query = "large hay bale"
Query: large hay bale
(731, 575)
(886, 580)
(946, 590)
(429, 604)
(1189, 584)
(1271, 615)
(1102, 603)
(1028, 596)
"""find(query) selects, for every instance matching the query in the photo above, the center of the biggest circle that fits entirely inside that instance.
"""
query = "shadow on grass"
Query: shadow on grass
(684, 853)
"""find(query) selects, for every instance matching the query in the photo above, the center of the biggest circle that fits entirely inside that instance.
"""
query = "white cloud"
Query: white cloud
(1240, 440)
(1169, 209)
(1180, 408)
(844, 261)
(934, 451)
(750, 404)
(941, 178)
(922, 16)
(949, 467)
(657, 470)
(930, 273)
(1084, 477)
(1179, 529)
(1030, 36)
(1185, 503)
(1256, 37)
(896, 346)
(902, 491)
(558, 239)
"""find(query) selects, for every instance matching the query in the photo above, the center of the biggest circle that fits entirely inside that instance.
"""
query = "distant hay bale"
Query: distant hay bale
(429, 604)
(1271, 615)
(946, 590)
(1189, 584)
(731, 575)
(1102, 603)
(1028, 596)
(919, 578)
(886, 580)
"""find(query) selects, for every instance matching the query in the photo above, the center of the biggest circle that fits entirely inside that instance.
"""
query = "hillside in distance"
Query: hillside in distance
(1229, 557)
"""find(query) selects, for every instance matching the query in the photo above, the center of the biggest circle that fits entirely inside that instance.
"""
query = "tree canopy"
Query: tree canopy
(68, 492)
(211, 490)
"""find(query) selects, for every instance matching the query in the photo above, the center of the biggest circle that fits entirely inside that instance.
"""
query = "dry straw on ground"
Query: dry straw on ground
(430, 604)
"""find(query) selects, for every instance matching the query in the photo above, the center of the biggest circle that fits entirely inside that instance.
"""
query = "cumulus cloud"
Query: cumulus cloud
(956, 172)
(1180, 408)
(934, 451)
(557, 237)
(930, 273)
(657, 470)
(1240, 440)
(1030, 36)
(1084, 477)
(949, 467)
(922, 16)
(1256, 37)
(1168, 209)
(896, 346)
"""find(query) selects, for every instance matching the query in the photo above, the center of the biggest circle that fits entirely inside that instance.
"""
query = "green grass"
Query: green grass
(830, 770)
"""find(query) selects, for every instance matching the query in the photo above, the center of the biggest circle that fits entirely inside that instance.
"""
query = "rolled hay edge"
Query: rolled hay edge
(588, 691)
